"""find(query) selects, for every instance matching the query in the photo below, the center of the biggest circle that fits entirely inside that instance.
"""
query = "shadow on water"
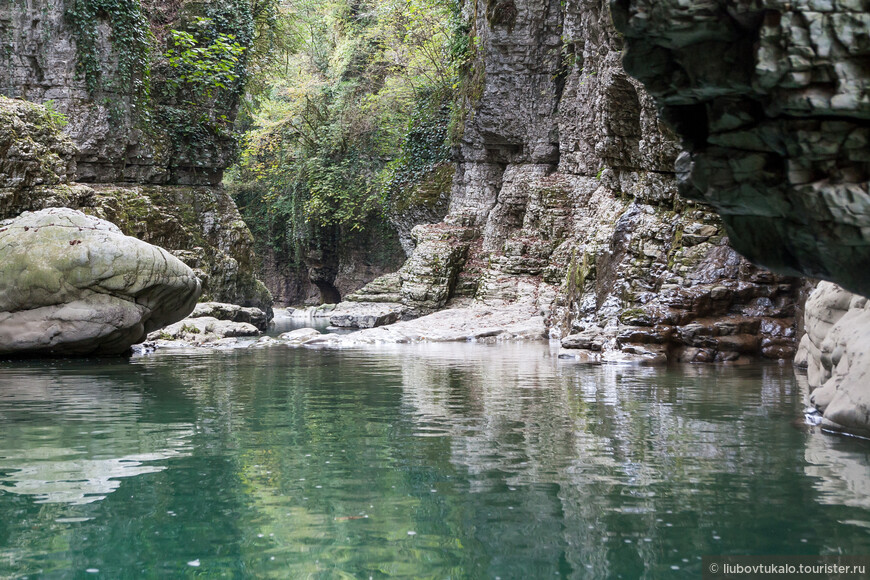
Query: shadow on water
(451, 460)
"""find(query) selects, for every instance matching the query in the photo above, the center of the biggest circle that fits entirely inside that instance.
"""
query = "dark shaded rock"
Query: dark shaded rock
(772, 102)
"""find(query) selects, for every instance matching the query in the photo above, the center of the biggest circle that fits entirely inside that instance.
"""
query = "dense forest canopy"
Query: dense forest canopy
(349, 114)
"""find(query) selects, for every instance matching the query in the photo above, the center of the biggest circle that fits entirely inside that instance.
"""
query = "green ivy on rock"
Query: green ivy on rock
(131, 40)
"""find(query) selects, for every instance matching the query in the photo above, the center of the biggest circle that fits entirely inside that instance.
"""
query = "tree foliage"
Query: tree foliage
(349, 111)
(206, 66)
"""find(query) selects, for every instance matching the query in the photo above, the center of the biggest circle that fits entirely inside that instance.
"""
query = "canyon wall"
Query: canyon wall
(772, 102)
(836, 352)
(145, 149)
(565, 200)
(100, 63)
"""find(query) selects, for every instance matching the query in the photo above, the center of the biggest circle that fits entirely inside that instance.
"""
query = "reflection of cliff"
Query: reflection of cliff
(604, 450)
(503, 460)
(588, 414)
(60, 475)
(840, 472)
(838, 466)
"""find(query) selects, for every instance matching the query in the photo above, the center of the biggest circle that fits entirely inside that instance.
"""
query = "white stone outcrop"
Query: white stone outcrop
(836, 352)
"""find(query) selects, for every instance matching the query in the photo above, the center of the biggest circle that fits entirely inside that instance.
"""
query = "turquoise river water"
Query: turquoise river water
(428, 461)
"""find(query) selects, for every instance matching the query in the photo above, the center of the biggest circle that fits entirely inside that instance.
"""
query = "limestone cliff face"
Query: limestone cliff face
(565, 199)
(125, 116)
(772, 101)
(836, 352)
(149, 148)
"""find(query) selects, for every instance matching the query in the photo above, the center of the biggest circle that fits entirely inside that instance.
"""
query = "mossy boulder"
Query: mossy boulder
(72, 284)
(200, 225)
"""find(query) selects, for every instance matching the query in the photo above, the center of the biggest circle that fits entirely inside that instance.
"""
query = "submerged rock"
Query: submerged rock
(836, 352)
(299, 336)
(74, 284)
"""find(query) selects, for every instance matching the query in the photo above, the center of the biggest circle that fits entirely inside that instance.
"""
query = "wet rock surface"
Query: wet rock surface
(74, 284)
(772, 101)
(836, 352)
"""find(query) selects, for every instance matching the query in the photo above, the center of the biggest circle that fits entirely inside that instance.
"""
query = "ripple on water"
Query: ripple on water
(431, 460)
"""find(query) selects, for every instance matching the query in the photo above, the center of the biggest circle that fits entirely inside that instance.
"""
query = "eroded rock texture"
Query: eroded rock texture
(565, 201)
(772, 100)
(198, 224)
(232, 312)
(836, 352)
(74, 284)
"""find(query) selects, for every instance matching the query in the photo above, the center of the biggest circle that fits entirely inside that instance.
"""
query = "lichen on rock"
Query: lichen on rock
(200, 225)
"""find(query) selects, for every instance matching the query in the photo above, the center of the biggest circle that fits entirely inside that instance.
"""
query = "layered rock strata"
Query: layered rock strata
(74, 284)
(772, 102)
(132, 118)
(565, 204)
(836, 352)
(232, 313)
(365, 314)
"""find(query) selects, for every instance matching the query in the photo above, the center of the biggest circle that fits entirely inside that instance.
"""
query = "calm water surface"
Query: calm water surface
(433, 461)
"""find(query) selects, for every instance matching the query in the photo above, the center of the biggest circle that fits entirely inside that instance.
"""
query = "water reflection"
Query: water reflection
(413, 461)
(623, 470)
(69, 437)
